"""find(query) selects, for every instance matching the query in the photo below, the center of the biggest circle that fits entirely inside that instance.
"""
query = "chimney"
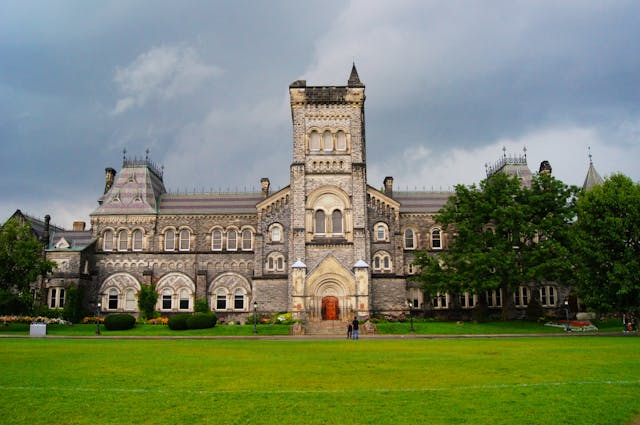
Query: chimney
(264, 183)
(388, 186)
(109, 177)
(78, 226)
(45, 233)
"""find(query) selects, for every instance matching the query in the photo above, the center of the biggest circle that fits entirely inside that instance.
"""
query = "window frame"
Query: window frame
(214, 240)
(405, 239)
(172, 238)
(246, 240)
(123, 240)
(436, 231)
(319, 219)
(337, 218)
(184, 243)
(231, 240)
(137, 245)
(113, 296)
(108, 239)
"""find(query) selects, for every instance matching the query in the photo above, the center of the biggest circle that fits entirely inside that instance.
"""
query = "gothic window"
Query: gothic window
(130, 299)
(107, 241)
(113, 299)
(336, 222)
(169, 240)
(494, 298)
(436, 241)
(137, 240)
(440, 301)
(341, 141)
(238, 300)
(314, 141)
(382, 262)
(247, 240)
(221, 299)
(409, 239)
(122, 240)
(327, 141)
(232, 240)
(275, 262)
(216, 240)
(166, 299)
(467, 300)
(184, 240)
(184, 299)
(56, 297)
(320, 222)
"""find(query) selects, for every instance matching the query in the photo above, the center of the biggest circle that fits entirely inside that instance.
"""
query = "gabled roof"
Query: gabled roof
(69, 240)
(37, 225)
(421, 202)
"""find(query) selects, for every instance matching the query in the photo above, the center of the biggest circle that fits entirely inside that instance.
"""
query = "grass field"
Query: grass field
(541, 380)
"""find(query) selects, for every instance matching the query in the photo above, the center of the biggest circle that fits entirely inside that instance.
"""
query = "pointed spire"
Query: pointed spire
(593, 178)
(354, 79)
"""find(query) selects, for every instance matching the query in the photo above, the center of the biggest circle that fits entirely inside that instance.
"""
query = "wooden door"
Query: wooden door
(330, 308)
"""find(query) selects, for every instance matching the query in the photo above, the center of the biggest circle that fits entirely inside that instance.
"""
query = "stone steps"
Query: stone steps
(326, 327)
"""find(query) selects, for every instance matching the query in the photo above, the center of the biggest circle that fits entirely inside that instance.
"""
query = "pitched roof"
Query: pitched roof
(421, 202)
(210, 203)
(77, 240)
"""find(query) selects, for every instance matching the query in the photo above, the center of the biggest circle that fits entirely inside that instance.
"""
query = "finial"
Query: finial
(590, 160)
(124, 154)
(525, 152)
(504, 151)
(147, 152)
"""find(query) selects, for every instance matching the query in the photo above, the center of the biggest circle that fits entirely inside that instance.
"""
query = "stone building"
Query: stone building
(327, 246)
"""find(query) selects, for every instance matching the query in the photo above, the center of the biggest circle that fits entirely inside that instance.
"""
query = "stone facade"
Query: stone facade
(326, 247)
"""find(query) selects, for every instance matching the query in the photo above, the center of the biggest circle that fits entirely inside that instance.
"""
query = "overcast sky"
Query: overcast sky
(204, 86)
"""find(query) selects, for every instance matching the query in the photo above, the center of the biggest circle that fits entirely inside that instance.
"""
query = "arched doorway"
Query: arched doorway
(330, 308)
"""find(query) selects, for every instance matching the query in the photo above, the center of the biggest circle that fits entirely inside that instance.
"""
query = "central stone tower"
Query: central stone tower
(329, 240)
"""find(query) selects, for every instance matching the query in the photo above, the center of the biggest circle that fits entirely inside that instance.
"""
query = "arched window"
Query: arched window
(122, 240)
(247, 240)
(409, 239)
(232, 240)
(275, 262)
(436, 242)
(137, 240)
(113, 299)
(336, 222)
(276, 233)
(185, 242)
(320, 222)
(184, 299)
(107, 241)
(169, 240)
(238, 300)
(130, 299)
(327, 141)
(221, 299)
(382, 262)
(341, 141)
(216, 240)
(314, 141)
(381, 232)
(166, 299)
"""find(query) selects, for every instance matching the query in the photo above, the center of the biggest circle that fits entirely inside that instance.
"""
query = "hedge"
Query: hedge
(178, 322)
(119, 322)
(181, 322)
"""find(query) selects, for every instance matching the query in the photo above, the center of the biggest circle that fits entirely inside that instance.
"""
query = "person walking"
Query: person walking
(355, 327)
(349, 331)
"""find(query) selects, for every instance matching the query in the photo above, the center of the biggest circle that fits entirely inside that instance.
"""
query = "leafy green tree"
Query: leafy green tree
(607, 244)
(21, 259)
(147, 299)
(504, 235)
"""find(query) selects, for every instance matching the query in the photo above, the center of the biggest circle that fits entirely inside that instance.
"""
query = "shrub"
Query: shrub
(119, 322)
(178, 322)
(201, 306)
(147, 299)
(202, 321)
(73, 310)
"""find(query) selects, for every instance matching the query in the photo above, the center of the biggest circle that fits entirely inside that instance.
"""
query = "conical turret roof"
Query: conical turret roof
(354, 79)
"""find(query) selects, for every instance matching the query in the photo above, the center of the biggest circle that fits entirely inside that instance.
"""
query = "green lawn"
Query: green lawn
(585, 380)
(421, 327)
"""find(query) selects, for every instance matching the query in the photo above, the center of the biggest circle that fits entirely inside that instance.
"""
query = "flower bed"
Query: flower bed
(5, 320)
(574, 325)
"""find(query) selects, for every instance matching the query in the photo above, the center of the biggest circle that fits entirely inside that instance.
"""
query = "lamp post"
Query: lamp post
(255, 317)
(567, 328)
(410, 304)
(98, 318)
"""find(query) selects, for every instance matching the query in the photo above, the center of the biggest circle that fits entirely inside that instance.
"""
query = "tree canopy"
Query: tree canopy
(21, 259)
(607, 244)
(504, 235)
